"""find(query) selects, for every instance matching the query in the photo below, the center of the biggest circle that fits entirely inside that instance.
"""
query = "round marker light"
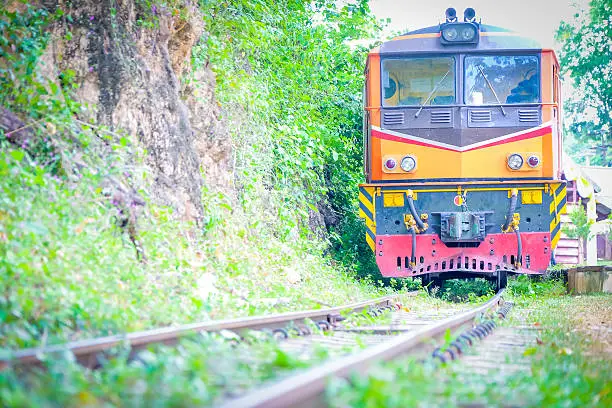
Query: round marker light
(515, 161)
(468, 34)
(450, 34)
(390, 164)
(408, 163)
(533, 161)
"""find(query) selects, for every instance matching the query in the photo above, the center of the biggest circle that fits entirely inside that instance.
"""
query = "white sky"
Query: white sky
(537, 19)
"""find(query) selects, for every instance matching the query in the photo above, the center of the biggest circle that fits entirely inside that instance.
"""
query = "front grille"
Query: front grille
(393, 118)
(480, 116)
(441, 116)
(529, 115)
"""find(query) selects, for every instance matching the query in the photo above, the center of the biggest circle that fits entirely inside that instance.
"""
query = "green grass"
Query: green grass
(67, 270)
(566, 369)
(201, 370)
(465, 290)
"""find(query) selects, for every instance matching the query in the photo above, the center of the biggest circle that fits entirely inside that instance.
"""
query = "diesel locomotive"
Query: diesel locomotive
(462, 142)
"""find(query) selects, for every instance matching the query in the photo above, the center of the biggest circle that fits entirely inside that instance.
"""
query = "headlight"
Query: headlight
(533, 161)
(515, 161)
(408, 163)
(454, 33)
(450, 34)
(390, 164)
(468, 33)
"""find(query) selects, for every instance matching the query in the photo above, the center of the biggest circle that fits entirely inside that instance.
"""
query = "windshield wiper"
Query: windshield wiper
(416, 115)
(492, 90)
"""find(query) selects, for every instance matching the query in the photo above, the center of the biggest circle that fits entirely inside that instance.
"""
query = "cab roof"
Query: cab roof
(427, 40)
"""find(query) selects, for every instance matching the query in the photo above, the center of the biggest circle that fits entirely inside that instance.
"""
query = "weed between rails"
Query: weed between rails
(466, 290)
(563, 371)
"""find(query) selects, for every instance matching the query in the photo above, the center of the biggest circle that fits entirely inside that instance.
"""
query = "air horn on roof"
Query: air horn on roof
(469, 15)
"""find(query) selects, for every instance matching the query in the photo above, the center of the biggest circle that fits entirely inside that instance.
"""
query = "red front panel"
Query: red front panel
(433, 256)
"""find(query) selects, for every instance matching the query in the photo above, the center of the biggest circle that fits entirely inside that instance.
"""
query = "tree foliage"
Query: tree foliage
(586, 56)
(297, 69)
(581, 225)
(305, 78)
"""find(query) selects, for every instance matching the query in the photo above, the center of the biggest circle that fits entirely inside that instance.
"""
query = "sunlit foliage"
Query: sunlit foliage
(586, 57)
(296, 69)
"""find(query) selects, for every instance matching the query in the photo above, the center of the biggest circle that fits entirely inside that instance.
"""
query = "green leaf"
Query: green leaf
(54, 88)
(447, 337)
(34, 227)
(530, 351)
(17, 155)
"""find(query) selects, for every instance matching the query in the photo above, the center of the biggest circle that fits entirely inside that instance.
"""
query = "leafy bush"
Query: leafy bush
(581, 225)
(66, 267)
(463, 290)
(290, 68)
(525, 287)
(68, 270)
(47, 104)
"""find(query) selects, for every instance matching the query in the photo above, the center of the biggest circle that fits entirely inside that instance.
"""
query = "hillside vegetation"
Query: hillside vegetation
(164, 162)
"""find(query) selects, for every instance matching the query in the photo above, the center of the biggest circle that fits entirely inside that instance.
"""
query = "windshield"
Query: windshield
(511, 79)
(418, 81)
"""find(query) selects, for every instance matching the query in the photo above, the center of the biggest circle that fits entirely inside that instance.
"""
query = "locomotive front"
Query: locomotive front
(462, 153)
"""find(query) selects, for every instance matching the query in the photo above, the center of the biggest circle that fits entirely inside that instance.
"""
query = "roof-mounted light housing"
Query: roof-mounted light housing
(459, 33)
(469, 15)
(451, 15)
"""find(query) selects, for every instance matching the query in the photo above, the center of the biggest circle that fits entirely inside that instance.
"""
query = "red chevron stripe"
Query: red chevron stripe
(528, 134)
(382, 135)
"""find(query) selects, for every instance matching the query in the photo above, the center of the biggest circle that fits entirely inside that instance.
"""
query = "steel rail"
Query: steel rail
(86, 351)
(307, 389)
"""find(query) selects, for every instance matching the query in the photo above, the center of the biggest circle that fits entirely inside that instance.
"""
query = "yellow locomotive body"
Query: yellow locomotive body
(462, 153)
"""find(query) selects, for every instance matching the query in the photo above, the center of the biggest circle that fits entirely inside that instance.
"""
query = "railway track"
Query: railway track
(346, 336)
(352, 343)
(88, 352)
(408, 333)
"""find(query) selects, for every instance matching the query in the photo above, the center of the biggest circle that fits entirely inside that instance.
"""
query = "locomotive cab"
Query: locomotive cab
(462, 153)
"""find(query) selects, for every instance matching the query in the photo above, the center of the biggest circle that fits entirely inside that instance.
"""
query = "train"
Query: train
(462, 153)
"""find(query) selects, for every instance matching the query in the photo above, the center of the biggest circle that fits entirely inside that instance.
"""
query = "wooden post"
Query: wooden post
(589, 279)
